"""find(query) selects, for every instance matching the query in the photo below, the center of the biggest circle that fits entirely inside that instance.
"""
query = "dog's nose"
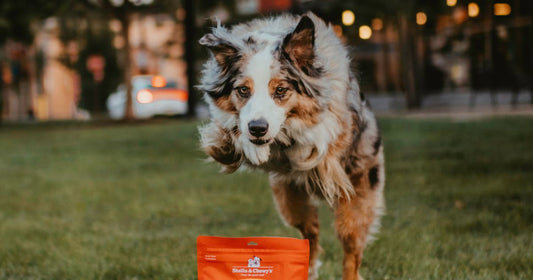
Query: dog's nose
(258, 128)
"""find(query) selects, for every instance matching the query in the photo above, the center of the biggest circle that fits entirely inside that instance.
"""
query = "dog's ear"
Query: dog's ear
(223, 51)
(298, 46)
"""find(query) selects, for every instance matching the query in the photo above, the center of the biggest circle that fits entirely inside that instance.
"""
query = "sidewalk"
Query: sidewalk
(455, 105)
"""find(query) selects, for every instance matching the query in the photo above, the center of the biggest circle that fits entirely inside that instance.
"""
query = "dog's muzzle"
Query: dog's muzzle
(258, 128)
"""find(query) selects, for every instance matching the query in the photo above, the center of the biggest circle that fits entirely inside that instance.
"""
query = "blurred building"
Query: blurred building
(66, 78)
(16, 77)
(409, 48)
(448, 45)
(56, 87)
(414, 50)
(157, 43)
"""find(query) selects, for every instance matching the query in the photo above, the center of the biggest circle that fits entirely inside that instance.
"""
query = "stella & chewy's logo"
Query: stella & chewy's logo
(254, 268)
(254, 262)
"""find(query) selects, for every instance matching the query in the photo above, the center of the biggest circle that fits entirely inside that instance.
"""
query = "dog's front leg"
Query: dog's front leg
(298, 210)
(353, 219)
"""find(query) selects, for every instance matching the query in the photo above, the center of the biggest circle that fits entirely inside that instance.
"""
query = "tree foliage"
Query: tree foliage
(16, 17)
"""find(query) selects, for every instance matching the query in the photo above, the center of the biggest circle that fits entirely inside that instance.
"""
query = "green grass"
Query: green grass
(101, 201)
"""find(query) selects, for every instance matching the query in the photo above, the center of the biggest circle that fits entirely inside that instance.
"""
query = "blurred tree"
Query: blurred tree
(403, 15)
(122, 11)
(191, 39)
(95, 90)
(16, 19)
(400, 13)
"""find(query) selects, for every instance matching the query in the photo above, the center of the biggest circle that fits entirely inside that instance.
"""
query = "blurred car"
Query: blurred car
(151, 95)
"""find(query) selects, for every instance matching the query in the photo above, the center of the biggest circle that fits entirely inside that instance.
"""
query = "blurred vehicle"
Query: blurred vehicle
(151, 95)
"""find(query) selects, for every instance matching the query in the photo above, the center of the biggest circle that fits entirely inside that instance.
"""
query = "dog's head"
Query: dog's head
(264, 76)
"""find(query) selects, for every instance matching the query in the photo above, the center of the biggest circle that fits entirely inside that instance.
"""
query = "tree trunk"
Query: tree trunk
(190, 41)
(530, 64)
(407, 54)
(125, 21)
(1, 94)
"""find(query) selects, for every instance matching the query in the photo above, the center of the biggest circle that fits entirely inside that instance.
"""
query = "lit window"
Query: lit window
(502, 9)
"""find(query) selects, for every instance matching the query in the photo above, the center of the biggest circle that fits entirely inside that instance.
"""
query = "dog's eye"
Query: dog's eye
(244, 91)
(280, 91)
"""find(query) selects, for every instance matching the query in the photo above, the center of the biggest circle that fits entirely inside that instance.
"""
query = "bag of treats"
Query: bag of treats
(273, 258)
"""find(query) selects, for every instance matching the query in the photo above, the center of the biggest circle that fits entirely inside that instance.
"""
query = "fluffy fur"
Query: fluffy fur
(283, 99)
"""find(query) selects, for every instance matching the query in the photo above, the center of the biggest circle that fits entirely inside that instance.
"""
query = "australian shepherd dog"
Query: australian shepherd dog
(283, 99)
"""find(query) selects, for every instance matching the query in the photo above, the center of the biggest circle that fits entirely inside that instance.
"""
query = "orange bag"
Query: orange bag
(252, 258)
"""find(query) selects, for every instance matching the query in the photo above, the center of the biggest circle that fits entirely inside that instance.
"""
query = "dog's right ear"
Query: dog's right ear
(223, 51)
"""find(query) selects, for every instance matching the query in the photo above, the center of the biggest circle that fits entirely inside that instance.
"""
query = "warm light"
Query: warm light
(338, 30)
(473, 10)
(119, 42)
(159, 81)
(502, 9)
(182, 95)
(180, 14)
(365, 32)
(348, 18)
(377, 24)
(451, 3)
(144, 96)
(460, 14)
(115, 25)
(421, 18)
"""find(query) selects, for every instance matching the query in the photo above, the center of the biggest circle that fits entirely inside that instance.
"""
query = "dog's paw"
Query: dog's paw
(257, 155)
(313, 271)
(218, 144)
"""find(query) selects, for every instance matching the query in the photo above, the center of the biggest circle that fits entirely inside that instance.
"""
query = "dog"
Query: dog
(254, 262)
(283, 99)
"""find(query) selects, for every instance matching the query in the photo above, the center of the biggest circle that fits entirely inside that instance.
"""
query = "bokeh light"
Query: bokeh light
(338, 30)
(365, 32)
(421, 18)
(377, 24)
(502, 9)
(144, 96)
(348, 17)
(451, 3)
(473, 9)
(159, 81)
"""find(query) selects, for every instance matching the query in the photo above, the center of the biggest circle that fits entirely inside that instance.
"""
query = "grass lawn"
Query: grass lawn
(110, 201)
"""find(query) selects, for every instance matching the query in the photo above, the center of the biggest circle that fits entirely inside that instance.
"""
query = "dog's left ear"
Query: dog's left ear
(298, 46)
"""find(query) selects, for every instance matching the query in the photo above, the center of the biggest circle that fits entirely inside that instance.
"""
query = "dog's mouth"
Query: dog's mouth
(260, 141)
